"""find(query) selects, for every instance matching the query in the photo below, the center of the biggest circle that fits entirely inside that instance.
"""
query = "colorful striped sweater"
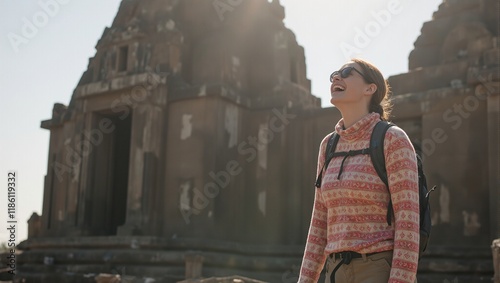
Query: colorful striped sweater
(349, 214)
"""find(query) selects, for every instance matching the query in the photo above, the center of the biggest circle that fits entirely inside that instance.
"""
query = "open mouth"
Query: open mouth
(338, 88)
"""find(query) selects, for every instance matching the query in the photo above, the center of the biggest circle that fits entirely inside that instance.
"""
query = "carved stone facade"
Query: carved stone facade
(452, 89)
(194, 131)
(171, 95)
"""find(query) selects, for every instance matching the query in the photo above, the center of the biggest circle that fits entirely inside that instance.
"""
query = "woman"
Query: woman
(348, 227)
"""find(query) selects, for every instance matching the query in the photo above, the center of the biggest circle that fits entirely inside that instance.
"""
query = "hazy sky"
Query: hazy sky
(45, 46)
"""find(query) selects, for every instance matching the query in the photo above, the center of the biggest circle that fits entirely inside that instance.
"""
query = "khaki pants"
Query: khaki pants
(372, 269)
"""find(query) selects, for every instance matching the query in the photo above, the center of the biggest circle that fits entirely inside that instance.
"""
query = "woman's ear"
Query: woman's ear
(371, 89)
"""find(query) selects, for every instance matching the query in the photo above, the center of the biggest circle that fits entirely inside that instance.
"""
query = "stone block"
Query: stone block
(491, 57)
(194, 265)
(454, 7)
(495, 248)
(107, 278)
(423, 79)
(34, 225)
(424, 56)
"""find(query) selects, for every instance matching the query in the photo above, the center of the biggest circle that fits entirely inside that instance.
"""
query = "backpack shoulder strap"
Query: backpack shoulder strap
(330, 149)
(378, 157)
(377, 149)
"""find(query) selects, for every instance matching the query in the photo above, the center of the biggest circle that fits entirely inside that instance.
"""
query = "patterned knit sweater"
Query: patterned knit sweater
(349, 212)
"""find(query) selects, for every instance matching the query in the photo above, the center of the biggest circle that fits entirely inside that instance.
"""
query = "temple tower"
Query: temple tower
(189, 146)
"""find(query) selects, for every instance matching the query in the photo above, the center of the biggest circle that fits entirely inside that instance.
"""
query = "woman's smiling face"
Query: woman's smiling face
(348, 85)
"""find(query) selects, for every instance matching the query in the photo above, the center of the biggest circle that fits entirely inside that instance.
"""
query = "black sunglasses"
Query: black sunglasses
(345, 72)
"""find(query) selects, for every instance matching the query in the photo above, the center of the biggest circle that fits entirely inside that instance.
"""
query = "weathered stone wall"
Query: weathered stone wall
(156, 57)
(452, 90)
(239, 174)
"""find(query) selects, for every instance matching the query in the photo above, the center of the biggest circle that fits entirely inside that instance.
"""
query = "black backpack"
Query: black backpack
(376, 152)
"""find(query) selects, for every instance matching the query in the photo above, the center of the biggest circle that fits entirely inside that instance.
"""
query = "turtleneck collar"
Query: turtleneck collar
(359, 128)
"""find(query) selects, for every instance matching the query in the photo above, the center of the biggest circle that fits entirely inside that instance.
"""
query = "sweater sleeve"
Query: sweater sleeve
(314, 254)
(402, 175)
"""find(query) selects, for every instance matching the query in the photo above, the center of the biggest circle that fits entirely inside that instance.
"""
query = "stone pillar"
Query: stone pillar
(495, 248)
(493, 125)
(34, 226)
(144, 151)
(85, 197)
(194, 265)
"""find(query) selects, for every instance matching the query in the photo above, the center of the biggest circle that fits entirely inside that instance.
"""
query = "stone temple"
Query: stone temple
(188, 148)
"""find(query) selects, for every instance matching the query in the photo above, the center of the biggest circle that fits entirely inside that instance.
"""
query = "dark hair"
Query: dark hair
(380, 102)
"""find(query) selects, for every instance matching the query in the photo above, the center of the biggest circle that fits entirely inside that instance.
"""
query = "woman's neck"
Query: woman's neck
(351, 116)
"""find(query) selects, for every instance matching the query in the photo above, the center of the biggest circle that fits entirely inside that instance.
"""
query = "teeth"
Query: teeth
(338, 88)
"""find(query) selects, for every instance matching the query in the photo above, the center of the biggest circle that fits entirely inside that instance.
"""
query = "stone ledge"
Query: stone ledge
(155, 243)
(422, 79)
(230, 279)
(120, 83)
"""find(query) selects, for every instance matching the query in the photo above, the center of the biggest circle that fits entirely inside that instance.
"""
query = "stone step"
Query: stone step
(143, 264)
(76, 261)
(156, 258)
